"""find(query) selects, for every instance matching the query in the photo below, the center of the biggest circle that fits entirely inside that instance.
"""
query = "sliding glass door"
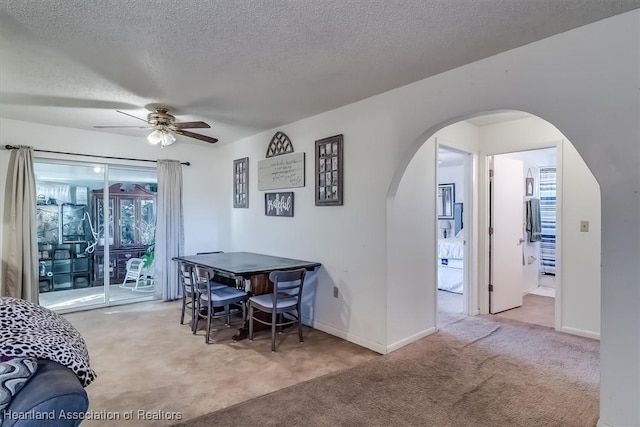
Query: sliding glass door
(92, 219)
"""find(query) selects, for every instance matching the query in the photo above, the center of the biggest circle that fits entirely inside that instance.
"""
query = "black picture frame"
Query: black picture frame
(241, 183)
(329, 172)
(279, 203)
(445, 200)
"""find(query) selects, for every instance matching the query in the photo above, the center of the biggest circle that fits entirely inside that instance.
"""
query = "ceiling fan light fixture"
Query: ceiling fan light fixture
(162, 137)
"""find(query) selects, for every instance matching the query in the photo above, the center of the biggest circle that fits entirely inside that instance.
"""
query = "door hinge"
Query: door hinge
(490, 288)
(490, 231)
(490, 173)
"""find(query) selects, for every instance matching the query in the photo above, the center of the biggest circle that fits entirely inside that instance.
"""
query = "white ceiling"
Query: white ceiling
(248, 65)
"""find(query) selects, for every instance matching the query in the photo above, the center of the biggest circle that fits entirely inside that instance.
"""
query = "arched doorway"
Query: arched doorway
(413, 234)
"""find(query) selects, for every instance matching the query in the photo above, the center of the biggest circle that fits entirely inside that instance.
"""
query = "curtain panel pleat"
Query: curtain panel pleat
(169, 230)
(21, 243)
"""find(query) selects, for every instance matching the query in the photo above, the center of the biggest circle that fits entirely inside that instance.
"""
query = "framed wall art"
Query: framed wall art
(329, 171)
(241, 183)
(446, 200)
(278, 204)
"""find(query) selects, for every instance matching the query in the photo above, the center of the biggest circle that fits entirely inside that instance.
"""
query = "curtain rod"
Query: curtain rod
(11, 147)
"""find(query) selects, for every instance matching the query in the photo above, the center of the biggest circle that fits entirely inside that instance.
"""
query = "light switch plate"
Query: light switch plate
(584, 226)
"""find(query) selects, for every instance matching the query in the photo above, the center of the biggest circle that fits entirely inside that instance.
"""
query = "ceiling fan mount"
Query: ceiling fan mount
(161, 117)
(164, 125)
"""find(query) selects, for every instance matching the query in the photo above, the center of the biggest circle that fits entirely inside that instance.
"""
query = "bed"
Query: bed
(451, 256)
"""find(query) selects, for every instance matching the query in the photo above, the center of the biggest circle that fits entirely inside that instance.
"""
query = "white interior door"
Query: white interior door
(507, 216)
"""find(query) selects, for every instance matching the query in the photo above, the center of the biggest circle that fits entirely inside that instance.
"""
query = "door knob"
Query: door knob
(520, 241)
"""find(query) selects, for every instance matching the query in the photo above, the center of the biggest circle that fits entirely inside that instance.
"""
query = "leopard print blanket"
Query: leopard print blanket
(29, 330)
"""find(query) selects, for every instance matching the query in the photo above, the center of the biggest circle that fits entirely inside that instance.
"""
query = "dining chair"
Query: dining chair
(284, 300)
(213, 297)
(190, 291)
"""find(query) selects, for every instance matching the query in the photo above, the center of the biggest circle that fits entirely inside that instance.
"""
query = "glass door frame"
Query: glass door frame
(105, 224)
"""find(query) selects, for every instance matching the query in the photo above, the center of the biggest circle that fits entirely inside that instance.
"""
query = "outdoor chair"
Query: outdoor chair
(137, 273)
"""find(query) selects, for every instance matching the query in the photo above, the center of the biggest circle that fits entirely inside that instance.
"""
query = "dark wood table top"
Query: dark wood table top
(246, 263)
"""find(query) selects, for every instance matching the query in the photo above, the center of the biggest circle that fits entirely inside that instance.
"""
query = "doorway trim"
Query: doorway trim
(484, 239)
(469, 219)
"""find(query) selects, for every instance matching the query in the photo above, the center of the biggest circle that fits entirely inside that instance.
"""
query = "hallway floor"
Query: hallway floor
(536, 309)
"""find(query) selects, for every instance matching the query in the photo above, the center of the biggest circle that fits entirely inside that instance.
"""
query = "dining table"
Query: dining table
(249, 266)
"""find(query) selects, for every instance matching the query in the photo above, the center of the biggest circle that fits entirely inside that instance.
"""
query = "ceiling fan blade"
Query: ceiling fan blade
(131, 115)
(137, 127)
(191, 125)
(196, 136)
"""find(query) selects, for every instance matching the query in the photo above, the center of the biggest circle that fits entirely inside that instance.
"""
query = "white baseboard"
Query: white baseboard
(363, 342)
(398, 344)
(601, 424)
(580, 332)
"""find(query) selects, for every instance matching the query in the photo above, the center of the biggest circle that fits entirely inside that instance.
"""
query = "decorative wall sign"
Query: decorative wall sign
(241, 183)
(329, 171)
(528, 184)
(286, 171)
(278, 204)
(280, 144)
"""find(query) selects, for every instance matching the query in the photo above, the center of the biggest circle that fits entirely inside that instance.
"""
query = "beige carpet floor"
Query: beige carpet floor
(476, 371)
(146, 361)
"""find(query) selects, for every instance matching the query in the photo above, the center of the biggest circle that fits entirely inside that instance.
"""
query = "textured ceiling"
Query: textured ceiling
(248, 65)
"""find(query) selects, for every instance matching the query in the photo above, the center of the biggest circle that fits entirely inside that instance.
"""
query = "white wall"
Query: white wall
(412, 219)
(583, 81)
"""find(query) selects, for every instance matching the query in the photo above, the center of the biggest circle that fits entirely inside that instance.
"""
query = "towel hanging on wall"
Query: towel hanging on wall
(533, 220)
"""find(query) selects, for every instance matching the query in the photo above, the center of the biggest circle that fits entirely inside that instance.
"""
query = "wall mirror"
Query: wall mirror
(446, 199)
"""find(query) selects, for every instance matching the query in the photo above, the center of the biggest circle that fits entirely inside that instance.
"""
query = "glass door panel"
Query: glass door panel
(133, 193)
(67, 235)
(147, 221)
(100, 221)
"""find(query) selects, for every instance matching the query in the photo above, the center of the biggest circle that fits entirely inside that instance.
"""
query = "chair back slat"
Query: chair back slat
(287, 275)
(289, 281)
(186, 273)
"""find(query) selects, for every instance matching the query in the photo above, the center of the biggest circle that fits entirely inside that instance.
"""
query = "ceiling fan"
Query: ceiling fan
(164, 125)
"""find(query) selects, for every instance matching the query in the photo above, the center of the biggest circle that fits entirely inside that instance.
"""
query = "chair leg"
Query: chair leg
(250, 322)
(300, 325)
(209, 312)
(227, 312)
(195, 312)
(184, 305)
(274, 318)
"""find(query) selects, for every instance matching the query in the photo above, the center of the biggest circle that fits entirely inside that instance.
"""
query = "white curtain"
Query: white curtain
(21, 274)
(169, 230)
